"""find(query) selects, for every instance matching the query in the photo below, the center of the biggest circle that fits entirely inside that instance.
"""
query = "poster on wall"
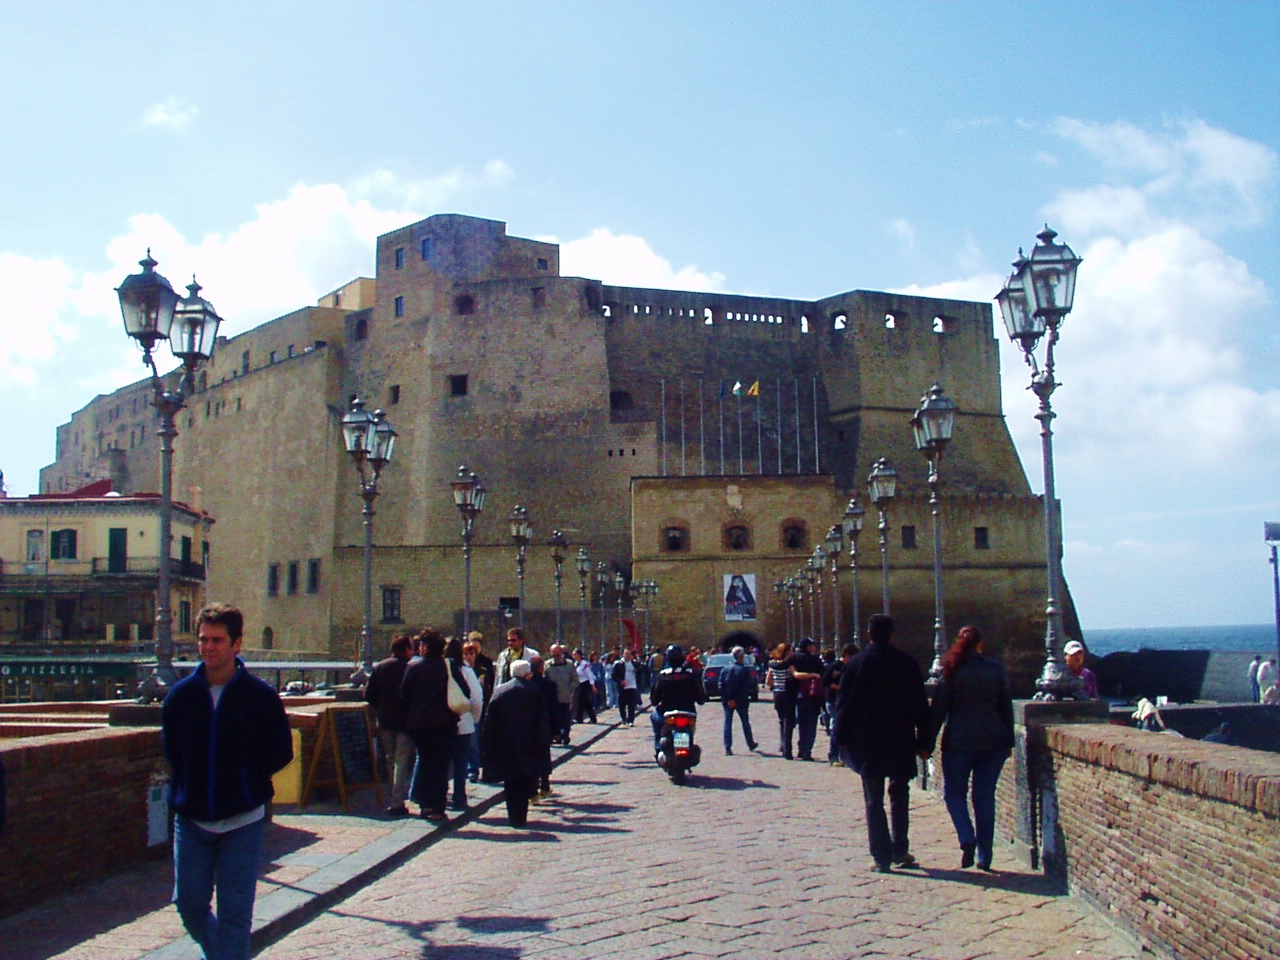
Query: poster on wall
(739, 596)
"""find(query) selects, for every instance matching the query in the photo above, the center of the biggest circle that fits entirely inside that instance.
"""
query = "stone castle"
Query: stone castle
(611, 414)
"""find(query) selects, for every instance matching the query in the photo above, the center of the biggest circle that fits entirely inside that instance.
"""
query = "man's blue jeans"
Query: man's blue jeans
(741, 708)
(983, 767)
(203, 861)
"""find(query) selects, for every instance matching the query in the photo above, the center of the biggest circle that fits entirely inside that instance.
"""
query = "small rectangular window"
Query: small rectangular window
(292, 584)
(399, 306)
(458, 385)
(391, 605)
(184, 616)
(292, 352)
(399, 258)
(272, 358)
(908, 538)
(539, 297)
(542, 263)
(313, 576)
(426, 248)
(62, 545)
(273, 579)
(981, 538)
(244, 362)
(394, 394)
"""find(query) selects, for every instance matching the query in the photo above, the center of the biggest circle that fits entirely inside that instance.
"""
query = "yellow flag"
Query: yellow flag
(754, 389)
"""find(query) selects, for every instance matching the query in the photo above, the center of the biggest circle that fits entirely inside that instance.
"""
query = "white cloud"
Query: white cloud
(173, 113)
(903, 232)
(629, 261)
(429, 193)
(32, 326)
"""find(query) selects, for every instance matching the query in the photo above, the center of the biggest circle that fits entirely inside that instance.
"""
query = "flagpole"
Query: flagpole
(795, 385)
(664, 427)
(759, 434)
(721, 382)
(777, 385)
(817, 468)
(738, 397)
(682, 460)
(702, 434)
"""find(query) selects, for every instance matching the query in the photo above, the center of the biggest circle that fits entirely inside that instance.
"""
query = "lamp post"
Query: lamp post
(468, 497)
(583, 564)
(883, 483)
(1271, 533)
(521, 533)
(152, 312)
(648, 589)
(931, 426)
(1034, 300)
(810, 577)
(558, 543)
(853, 518)
(780, 591)
(835, 543)
(818, 564)
(369, 440)
(798, 584)
(602, 582)
(620, 589)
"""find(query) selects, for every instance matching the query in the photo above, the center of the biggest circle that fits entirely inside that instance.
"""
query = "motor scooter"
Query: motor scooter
(677, 752)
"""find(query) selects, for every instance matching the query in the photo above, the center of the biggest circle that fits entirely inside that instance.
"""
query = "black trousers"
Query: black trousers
(887, 836)
(518, 791)
(586, 702)
(628, 700)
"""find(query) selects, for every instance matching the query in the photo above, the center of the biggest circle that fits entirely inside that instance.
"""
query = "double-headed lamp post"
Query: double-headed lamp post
(854, 515)
(780, 591)
(1271, 534)
(558, 544)
(521, 533)
(582, 562)
(835, 543)
(620, 589)
(369, 440)
(602, 584)
(468, 497)
(1035, 299)
(932, 426)
(152, 312)
(818, 564)
(883, 484)
(810, 577)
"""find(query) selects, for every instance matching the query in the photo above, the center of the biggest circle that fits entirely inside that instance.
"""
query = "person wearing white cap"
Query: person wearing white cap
(515, 741)
(1074, 652)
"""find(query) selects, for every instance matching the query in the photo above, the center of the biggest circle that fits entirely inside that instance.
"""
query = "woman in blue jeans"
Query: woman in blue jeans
(974, 700)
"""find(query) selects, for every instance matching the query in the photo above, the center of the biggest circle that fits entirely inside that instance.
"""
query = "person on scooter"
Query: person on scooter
(678, 687)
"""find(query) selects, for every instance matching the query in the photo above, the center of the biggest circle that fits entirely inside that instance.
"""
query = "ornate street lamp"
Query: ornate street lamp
(1271, 535)
(602, 584)
(818, 564)
(883, 483)
(810, 576)
(153, 312)
(558, 544)
(852, 524)
(468, 497)
(780, 591)
(620, 588)
(521, 533)
(583, 564)
(1035, 299)
(648, 589)
(931, 426)
(369, 440)
(835, 543)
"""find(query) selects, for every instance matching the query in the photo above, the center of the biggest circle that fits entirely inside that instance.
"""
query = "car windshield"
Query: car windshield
(724, 659)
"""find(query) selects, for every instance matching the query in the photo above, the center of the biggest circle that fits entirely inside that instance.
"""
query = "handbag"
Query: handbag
(811, 687)
(459, 702)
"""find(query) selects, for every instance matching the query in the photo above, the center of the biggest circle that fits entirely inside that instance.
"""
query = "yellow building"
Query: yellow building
(78, 571)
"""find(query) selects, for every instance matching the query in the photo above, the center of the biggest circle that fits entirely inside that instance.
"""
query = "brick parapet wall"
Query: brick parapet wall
(1176, 839)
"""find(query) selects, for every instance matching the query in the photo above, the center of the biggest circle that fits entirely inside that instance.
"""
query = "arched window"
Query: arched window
(362, 329)
(464, 305)
(795, 536)
(675, 538)
(737, 537)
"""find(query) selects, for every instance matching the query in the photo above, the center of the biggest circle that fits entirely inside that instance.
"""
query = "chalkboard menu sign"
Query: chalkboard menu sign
(344, 753)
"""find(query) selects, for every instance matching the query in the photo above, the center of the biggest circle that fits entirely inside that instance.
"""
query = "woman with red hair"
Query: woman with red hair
(974, 700)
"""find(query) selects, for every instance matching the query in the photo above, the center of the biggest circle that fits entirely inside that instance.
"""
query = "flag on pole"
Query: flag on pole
(754, 389)
(737, 388)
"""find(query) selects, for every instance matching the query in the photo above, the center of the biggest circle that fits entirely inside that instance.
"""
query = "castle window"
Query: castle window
(794, 535)
(291, 584)
(391, 605)
(675, 539)
(543, 264)
(458, 385)
(62, 545)
(737, 538)
(394, 394)
(292, 352)
(841, 322)
(337, 298)
(273, 579)
(399, 258)
(399, 306)
(313, 576)
(621, 400)
(539, 297)
(981, 538)
(362, 329)
(244, 362)
(890, 321)
(943, 324)
(426, 248)
(464, 305)
(908, 538)
(272, 358)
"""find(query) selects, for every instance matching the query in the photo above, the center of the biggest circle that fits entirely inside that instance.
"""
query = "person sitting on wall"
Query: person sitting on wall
(1074, 652)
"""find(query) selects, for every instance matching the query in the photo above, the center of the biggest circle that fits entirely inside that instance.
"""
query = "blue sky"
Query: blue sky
(791, 149)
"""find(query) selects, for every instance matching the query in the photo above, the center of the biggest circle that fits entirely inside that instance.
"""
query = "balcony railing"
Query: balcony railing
(101, 566)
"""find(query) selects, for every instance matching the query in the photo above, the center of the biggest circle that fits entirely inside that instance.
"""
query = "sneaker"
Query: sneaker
(906, 862)
(753, 746)
(728, 752)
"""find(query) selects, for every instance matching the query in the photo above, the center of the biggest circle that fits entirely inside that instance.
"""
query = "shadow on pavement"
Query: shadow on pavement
(1041, 885)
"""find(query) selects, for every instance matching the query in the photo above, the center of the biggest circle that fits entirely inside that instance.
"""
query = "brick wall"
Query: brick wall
(1176, 839)
(77, 809)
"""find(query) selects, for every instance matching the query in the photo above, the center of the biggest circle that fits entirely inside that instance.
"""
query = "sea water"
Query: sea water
(1251, 638)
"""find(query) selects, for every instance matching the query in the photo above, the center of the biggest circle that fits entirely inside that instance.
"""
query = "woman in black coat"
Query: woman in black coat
(974, 700)
(424, 703)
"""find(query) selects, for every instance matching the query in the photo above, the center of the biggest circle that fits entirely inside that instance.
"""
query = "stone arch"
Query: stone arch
(741, 638)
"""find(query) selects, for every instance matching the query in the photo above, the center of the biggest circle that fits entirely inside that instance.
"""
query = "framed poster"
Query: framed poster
(739, 596)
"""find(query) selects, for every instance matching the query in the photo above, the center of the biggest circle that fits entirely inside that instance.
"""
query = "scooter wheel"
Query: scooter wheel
(678, 776)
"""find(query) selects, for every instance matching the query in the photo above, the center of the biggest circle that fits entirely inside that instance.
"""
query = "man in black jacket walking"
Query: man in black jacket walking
(736, 687)
(382, 692)
(883, 724)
